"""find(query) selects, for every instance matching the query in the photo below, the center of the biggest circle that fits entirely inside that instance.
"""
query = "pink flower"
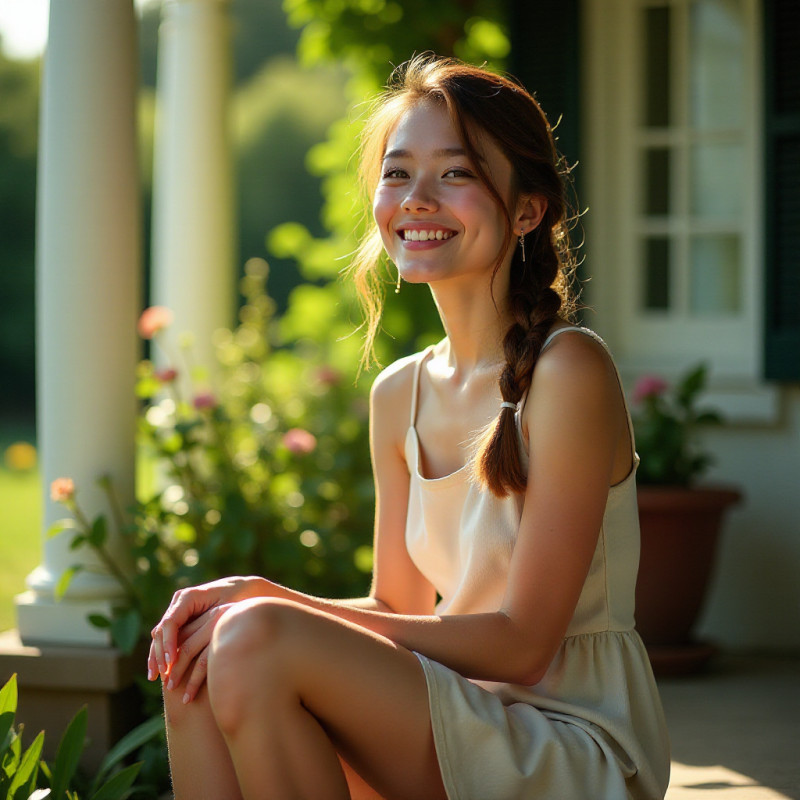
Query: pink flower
(166, 375)
(649, 386)
(299, 441)
(153, 320)
(328, 375)
(62, 490)
(204, 400)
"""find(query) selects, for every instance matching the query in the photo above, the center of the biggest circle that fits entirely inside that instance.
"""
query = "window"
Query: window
(673, 183)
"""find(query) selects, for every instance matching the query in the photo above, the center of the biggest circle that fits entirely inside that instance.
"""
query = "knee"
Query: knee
(183, 716)
(245, 657)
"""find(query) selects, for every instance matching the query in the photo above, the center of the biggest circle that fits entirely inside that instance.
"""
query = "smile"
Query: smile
(415, 235)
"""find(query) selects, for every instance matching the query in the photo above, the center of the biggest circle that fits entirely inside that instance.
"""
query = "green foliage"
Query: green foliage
(277, 116)
(19, 97)
(266, 473)
(370, 36)
(666, 429)
(21, 771)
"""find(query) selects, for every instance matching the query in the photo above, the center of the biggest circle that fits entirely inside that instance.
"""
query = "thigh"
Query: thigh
(368, 693)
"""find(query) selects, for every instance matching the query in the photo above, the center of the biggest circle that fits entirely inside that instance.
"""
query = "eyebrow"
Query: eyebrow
(444, 152)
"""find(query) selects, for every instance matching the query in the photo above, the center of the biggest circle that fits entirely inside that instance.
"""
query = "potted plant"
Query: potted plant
(679, 520)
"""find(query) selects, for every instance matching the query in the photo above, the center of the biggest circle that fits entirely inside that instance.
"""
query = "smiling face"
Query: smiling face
(437, 219)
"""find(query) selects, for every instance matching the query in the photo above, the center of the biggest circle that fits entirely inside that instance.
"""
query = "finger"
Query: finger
(152, 664)
(186, 605)
(189, 650)
(197, 676)
(190, 628)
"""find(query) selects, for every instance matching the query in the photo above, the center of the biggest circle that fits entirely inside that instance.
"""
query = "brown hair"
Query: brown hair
(540, 286)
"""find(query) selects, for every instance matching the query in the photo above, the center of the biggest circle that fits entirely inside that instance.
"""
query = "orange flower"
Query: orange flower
(62, 490)
(299, 441)
(20, 456)
(153, 320)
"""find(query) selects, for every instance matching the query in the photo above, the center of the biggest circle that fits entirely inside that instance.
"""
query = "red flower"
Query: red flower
(166, 375)
(649, 386)
(153, 320)
(204, 400)
(62, 490)
(299, 441)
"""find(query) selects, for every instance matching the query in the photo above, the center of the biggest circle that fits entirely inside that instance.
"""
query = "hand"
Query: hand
(194, 639)
(188, 606)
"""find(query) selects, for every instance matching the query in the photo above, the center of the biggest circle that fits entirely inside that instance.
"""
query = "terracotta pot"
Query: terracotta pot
(679, 531)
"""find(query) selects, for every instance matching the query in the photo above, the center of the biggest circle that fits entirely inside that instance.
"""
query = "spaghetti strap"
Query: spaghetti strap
(591, 334)
(415, 385)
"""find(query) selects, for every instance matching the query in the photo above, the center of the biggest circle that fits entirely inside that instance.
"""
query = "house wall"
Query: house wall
(754, 598)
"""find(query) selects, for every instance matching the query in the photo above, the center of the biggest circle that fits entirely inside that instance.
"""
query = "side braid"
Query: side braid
(534, 305)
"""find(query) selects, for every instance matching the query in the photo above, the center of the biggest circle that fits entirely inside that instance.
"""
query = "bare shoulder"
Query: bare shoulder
(575, 370)
(390, 404)
(393, 384)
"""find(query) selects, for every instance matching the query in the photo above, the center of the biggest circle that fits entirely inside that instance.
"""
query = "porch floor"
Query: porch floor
(735, 730)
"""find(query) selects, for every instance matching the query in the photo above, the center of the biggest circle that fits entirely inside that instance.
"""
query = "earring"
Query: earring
(522, 244)
(397, 287)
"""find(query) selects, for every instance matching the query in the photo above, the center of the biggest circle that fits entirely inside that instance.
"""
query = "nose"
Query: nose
(419, 198)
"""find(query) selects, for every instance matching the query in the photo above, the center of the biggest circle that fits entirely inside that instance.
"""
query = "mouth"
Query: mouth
(425, 234)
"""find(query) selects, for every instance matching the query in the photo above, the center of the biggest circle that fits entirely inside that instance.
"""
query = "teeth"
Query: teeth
(414, 235)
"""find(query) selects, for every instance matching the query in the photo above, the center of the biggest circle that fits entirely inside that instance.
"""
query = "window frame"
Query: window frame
(664, 343)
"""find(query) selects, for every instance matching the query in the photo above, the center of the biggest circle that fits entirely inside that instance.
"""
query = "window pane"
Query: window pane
(717, 64)
(716, 181)
(657, 167)
(657, 82)
(656, 274)
(715, 275)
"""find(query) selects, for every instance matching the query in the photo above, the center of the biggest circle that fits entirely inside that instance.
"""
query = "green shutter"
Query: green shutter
(782, 170)
(545, 41)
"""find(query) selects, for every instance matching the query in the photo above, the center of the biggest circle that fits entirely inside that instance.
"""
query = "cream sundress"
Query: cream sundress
(592, 728)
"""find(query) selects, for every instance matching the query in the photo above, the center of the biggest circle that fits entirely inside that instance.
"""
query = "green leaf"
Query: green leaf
(25, 777)
(65, 580)
(59, 526)
(99, 533)
(125, 630)
(117, 786)
(8, 708)
(129, 743)
(69, 752)
(99, 620)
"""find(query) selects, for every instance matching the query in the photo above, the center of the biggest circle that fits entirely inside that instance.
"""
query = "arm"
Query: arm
(180, 639)
(576, 403)
(578, 444)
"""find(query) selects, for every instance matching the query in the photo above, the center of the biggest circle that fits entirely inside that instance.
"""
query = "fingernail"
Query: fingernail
(186, 698)
(169, 685)
(151, 675)
(167, 658)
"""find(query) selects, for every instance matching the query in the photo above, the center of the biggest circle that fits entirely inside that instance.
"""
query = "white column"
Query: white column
(88, 276)
(193, 204)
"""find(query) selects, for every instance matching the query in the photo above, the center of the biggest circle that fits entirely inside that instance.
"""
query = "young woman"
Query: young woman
(505, 478)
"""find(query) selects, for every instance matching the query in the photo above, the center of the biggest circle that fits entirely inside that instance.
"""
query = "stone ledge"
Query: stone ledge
(54, 681)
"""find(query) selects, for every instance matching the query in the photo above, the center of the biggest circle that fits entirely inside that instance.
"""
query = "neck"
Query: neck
(474, 325)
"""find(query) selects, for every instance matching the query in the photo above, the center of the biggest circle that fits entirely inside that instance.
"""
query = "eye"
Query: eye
(458, 172)
(394, 173)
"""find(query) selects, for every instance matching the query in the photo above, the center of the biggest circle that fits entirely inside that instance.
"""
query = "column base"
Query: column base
(54, 681)
(44, 622)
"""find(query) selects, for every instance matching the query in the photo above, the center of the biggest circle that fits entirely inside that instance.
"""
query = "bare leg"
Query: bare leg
(291, 686)
(199, 759)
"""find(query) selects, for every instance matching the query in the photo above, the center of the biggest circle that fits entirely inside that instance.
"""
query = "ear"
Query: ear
(530, 211)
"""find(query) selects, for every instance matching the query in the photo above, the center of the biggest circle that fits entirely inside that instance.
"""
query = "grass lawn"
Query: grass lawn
(20, 536)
